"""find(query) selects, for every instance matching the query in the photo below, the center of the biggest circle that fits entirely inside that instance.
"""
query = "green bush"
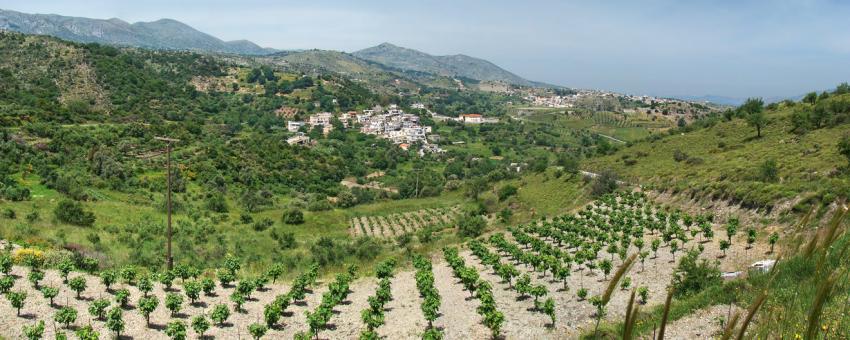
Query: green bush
(693, 275)
(471, 225)
(72, 212)
(293, 216)
(507, 191)
(217, 203)
(605, 183)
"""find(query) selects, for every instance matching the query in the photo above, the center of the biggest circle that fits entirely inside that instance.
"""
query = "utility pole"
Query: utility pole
(169, 259)
(417, 171)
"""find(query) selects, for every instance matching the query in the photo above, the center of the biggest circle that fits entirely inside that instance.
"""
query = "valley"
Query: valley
(389, 193)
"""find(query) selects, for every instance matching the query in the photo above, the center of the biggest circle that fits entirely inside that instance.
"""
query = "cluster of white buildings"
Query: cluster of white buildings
(391, 123)
(552, 101)
(570, 100)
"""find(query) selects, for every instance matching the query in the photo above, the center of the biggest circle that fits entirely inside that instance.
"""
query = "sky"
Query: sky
(660, 47)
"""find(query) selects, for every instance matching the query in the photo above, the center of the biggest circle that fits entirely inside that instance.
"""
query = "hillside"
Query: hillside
(723, 159)
(516, 228)
(375, 76)
(161, 34)
(79, 123)
(450, 66)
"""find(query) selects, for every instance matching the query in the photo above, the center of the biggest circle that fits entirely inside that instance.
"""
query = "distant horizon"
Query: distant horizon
(661, 47)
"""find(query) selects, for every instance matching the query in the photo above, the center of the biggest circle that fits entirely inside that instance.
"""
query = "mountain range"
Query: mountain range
(164, 34)
(451, 65)
(170, 34)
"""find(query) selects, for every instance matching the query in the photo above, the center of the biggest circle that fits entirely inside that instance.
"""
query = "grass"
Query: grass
(724, 162)
(625, 128)
(550, 195)
(446, 200)
(119, 217)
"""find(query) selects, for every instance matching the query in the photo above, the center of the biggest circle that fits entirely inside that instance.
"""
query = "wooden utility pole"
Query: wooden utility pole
(417, 171)
(168, 258)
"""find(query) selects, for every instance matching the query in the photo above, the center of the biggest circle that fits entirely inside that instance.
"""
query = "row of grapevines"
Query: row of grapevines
(478, 288)
(431, 297)
(373, 316)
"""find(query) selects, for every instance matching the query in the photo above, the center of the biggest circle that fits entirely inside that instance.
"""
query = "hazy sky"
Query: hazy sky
(721, 47)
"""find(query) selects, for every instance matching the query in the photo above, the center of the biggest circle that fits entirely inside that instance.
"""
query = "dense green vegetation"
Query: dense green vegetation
(757, 162)
(83, 177)
(81, 169)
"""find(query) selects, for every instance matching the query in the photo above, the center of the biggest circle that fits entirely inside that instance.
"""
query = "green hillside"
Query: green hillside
(79, 128)
(448, 66)
(726, 160)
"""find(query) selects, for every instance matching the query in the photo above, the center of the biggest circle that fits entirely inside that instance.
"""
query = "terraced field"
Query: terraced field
(397, 224)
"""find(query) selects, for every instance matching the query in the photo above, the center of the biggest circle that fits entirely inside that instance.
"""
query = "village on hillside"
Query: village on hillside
(392, 123)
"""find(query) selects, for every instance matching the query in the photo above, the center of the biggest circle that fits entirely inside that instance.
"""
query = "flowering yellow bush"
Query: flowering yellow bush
(20, 256)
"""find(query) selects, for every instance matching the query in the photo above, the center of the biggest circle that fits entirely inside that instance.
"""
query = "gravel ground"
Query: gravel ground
(404, 319)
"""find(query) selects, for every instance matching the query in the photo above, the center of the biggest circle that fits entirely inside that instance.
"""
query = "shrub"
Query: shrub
(680, 156)
(262, 224)
(582, 293)
(257, 330)
(34, 332)
(72, 212)
(319, 204)
(471, 225)
(220, 313)
(844, 147)
(769, 171)
(200, 325)
(605, 183)
(208, 286)
(78, 285)
(122, 296)
(50, 293)
(9, 213)
(14, 193)
(98, 307)
(285, 239)
(87, 332)
(115, 321)
(176, 330)
(66, 316)
(507, 191)
(173, 302)
(192, 290)
(693, 275)
(33, 216)
(293, 216)
(148, 304)
(16, 299)
(346, 199)
(216, 203)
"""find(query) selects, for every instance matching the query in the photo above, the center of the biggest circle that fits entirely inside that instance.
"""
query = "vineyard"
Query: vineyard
(401, 223)
(549, 279)
(624, 121)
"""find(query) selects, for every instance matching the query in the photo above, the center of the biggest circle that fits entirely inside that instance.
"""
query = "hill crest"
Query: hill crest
(456, 65)
(166, 34)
